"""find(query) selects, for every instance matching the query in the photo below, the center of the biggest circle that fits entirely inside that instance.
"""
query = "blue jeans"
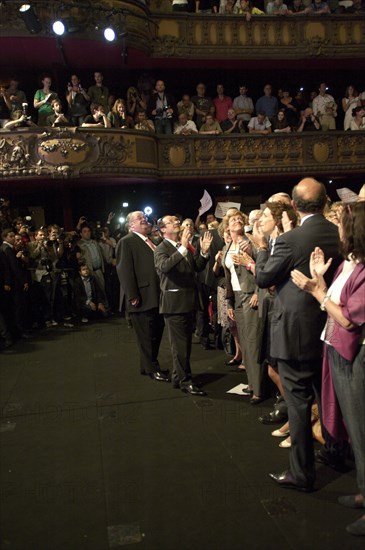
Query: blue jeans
(349, 382)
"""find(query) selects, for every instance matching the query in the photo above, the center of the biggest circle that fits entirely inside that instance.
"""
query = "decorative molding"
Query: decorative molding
(80, 154)
(264, 37)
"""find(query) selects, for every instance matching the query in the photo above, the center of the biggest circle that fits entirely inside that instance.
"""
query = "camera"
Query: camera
(161, 111)
(25, 111)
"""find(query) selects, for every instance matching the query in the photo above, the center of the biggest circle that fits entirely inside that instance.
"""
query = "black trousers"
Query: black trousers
(180, 330)
(302, 384)
(148, 326)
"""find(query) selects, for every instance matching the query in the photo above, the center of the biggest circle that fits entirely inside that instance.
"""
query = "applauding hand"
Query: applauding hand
(317, 264)
(205, 242)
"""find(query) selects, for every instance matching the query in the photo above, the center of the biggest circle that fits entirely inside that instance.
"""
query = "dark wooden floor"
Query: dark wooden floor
(94, 456)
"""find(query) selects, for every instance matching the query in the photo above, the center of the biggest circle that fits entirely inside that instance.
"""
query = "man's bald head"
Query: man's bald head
(309, 196)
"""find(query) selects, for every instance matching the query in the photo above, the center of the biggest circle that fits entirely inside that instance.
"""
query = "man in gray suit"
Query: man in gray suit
(176, 266)
(297, 322)
(140, 283)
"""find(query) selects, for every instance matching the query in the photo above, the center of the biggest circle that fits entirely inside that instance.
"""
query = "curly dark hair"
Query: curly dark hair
(353, 231)
(277, 209)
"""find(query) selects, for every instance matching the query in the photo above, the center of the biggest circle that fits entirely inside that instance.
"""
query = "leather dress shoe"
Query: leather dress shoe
(273, 417)
(192, 389)
(159, 376)
(334, 461)
(287, 481)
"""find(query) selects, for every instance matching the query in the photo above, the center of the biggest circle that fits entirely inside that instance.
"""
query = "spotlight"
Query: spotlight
(121, 219)
(125, 204)
(58, 27)
(148, 210)
(110, 34)
(30, 19)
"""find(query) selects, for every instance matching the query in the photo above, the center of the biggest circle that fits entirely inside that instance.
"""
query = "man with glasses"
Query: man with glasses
(176, 265)
(140, 284)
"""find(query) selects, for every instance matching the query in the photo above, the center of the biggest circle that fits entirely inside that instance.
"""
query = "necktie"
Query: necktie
(191, 248)
(150, 244)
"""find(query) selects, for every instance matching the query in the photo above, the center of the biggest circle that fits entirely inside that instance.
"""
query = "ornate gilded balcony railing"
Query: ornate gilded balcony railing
(78, 153)
(264, 37)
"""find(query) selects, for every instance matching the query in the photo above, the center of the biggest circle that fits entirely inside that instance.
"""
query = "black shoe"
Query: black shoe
(287, 481)
(159, 376)
(333, 461)
(233, 363)
(256, 400)
(192, 389)
(273, 417)
(207, 346)
(27, 335)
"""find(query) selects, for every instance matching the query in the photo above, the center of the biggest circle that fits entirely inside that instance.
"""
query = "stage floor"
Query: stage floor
(94, 456)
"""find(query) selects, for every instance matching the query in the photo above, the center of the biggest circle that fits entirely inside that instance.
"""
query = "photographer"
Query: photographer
(107, 246)
(309, 122)
(58, 119)
(78, 101)
(163, 108)
(45, 251)
(97, 119)
(21, 120)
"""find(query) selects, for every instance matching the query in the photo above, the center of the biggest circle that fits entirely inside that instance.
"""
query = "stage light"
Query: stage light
(110, 34)
(30, 19)
(148, 210)
(121, 219)
(125, 204)
(58, 27)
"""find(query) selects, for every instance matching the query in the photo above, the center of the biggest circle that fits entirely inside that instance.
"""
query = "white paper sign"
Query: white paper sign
(346, 195)
(222, 208)
(206, 203)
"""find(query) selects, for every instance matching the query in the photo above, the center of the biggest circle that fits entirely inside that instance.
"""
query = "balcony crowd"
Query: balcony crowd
(248, 8)
(150, 107)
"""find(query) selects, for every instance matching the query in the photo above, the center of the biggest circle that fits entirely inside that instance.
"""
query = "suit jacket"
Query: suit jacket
(137, 273)
(245, 278)
(80, 296)
(177, 278)
(17, 276)
(297, 320)
(207, 276)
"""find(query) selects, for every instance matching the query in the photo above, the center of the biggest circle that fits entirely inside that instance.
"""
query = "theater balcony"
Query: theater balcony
(118, 157)
(262, 38)
(153, 35)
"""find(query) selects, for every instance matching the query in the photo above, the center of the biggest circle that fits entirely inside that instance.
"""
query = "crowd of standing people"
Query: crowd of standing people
(283, 289)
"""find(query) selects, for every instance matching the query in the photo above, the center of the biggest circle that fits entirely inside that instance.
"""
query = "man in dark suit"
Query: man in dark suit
(90, 299)
(297, 322)
(15, 284)
(140, 284)
(176, 266)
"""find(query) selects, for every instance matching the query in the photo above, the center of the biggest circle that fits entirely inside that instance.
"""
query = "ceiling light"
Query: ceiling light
(30, 18)
(59, 28)
(110, 34)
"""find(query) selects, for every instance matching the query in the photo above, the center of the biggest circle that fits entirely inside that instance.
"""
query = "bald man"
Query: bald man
(141, 287)
(297, 323)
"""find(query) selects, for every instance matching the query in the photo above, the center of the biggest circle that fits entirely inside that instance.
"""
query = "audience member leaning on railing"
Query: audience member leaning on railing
(216, 115)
